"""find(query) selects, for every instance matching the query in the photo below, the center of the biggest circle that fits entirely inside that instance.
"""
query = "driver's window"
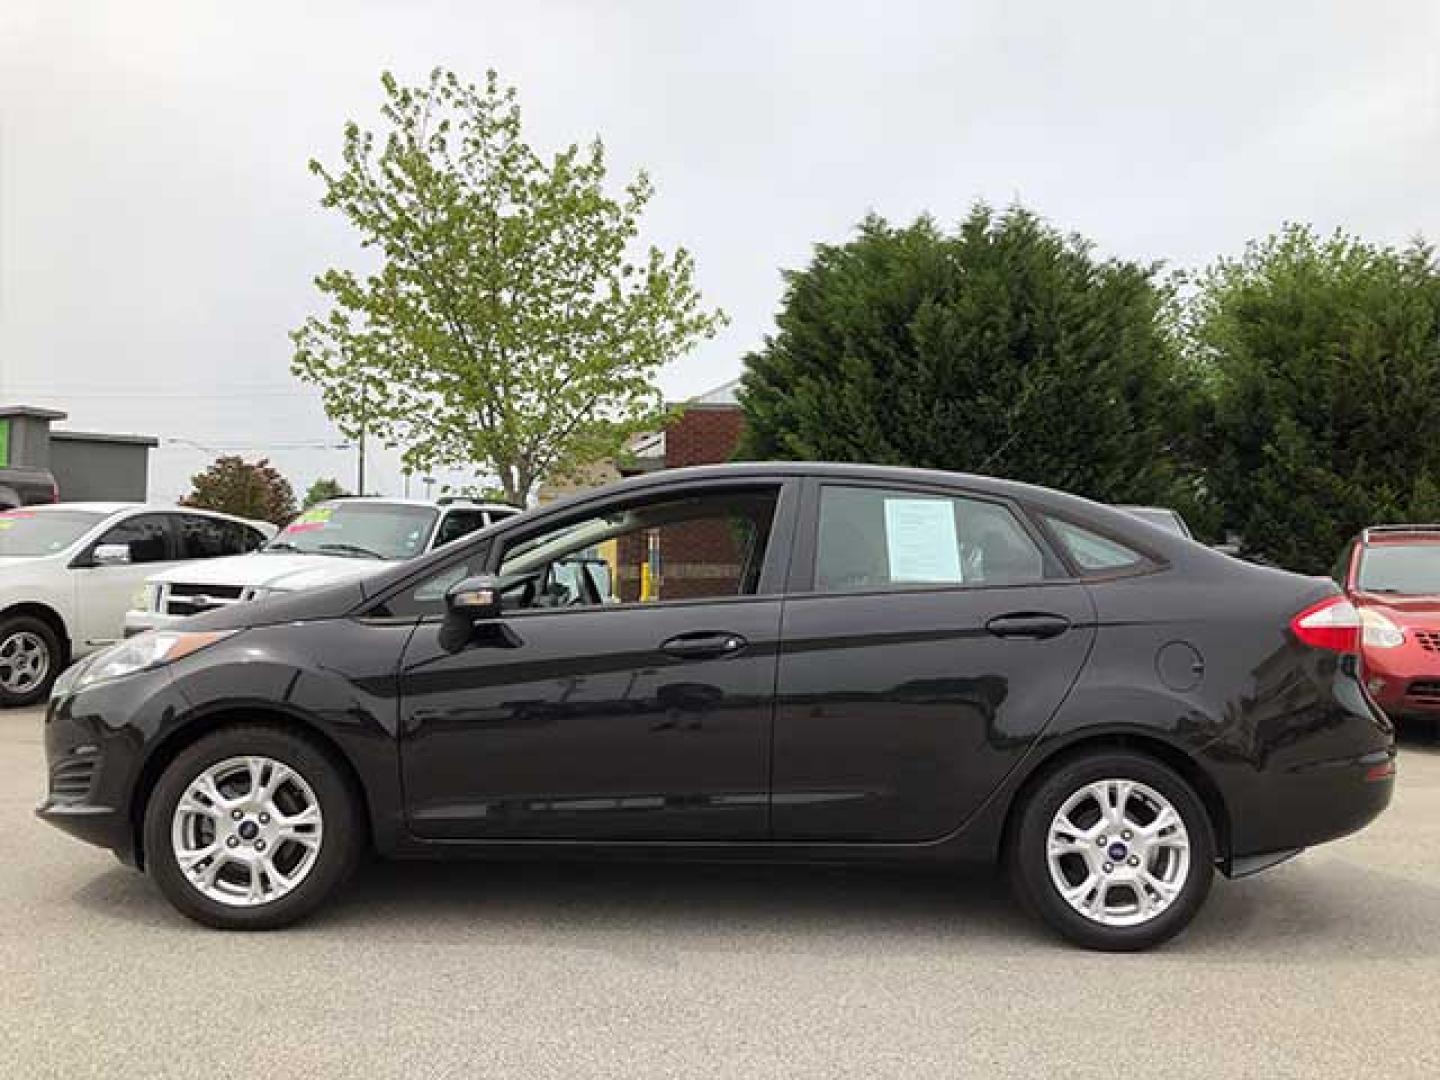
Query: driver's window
(695, 547)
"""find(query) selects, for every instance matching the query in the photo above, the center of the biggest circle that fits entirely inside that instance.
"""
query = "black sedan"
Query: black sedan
(800, 662)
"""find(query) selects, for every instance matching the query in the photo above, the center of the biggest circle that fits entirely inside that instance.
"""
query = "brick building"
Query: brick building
(686, 558)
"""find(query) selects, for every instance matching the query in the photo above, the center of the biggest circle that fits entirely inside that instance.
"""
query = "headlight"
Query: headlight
(140, 653)
(1378, 632)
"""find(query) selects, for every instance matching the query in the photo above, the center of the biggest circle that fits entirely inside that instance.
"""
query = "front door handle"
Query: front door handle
(703, 645)
(1028, 624)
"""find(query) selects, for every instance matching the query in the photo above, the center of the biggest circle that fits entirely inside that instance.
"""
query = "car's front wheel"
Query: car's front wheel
(30, 658)
(251, 828)
(1114, 850)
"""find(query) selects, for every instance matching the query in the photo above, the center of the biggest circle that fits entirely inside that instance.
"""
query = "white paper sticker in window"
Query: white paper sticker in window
(920, 537)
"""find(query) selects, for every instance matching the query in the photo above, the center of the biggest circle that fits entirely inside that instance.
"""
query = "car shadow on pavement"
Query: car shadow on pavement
(1422, 736)
(1294, 913)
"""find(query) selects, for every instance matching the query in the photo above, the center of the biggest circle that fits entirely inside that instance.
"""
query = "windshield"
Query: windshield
(1407, 569)
(358, 530)
(32, 533)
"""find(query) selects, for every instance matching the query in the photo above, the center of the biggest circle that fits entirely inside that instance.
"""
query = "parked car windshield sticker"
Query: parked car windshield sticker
(921, 542)
(311, 520)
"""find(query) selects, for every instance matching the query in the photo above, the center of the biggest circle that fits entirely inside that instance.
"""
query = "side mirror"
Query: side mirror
(475, 599)
(111, 555)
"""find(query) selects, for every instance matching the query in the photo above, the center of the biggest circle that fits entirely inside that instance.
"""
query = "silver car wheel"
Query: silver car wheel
(24, 662)
(247, 831)
(1119, 853)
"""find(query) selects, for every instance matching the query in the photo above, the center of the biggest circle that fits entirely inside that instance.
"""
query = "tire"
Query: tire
(307, 861)
(1152, 888)
(35, 647)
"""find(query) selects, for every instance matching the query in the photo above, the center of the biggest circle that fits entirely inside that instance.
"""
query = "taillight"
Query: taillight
(1332, 624)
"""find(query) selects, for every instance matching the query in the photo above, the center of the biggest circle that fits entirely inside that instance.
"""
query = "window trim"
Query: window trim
(804, 564)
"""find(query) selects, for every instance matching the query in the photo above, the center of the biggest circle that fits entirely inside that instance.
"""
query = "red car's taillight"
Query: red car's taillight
(1332, 624)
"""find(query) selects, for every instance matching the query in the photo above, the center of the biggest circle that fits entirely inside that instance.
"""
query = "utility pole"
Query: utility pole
(360, 471)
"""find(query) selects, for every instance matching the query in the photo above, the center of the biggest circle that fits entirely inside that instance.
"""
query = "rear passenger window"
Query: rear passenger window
(872, 538)
(202, 538)
(209, 538)
(1091, 551)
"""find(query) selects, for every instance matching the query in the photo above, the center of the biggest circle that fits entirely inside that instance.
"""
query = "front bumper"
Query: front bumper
(1404, 681)
(95, 743)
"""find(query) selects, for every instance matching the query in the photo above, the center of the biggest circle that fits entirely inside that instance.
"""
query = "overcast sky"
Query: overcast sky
(159, 230)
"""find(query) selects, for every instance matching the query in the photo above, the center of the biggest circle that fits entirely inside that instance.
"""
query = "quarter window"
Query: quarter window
(1091, 551)
(879, 538)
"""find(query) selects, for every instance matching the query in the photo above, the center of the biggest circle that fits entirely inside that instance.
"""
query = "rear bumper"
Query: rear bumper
(1311, 805)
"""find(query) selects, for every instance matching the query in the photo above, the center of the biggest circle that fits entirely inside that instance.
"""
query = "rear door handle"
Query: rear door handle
(1028, 624)
(699, 646)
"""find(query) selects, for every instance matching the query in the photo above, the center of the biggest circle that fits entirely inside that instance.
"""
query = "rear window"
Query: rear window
(1092, 552)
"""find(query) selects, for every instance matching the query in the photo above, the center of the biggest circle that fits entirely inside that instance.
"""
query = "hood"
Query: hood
(1403, 610)
(25, 560)
(289, 573)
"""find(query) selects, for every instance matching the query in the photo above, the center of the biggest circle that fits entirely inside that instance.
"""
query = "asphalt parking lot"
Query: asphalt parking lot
(1329, 966)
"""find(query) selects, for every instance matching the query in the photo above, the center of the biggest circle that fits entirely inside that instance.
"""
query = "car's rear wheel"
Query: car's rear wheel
(30, 658)
(1114, 850)
(251, 828)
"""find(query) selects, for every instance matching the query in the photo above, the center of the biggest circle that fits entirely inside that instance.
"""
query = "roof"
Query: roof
(87, 507)
(1401, 534)
(1048, 499)
(721, 395)
(434, 504)
(107, 508)
(100, 437)
(32, 410)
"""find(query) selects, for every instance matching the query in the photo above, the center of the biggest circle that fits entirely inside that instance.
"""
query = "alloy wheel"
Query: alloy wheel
(24, 662)
(1118, 852)
(247, 831)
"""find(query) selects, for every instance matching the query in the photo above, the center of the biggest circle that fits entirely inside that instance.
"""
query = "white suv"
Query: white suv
(69, 570)
(337, 540)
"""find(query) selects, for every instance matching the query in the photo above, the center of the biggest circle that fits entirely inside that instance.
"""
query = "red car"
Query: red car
(1392, 574)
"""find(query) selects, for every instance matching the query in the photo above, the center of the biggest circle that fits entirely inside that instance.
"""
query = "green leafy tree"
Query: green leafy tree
(235, 486)
(327, 487)
(510, 321)
(1321, 357)
(1004, 348)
